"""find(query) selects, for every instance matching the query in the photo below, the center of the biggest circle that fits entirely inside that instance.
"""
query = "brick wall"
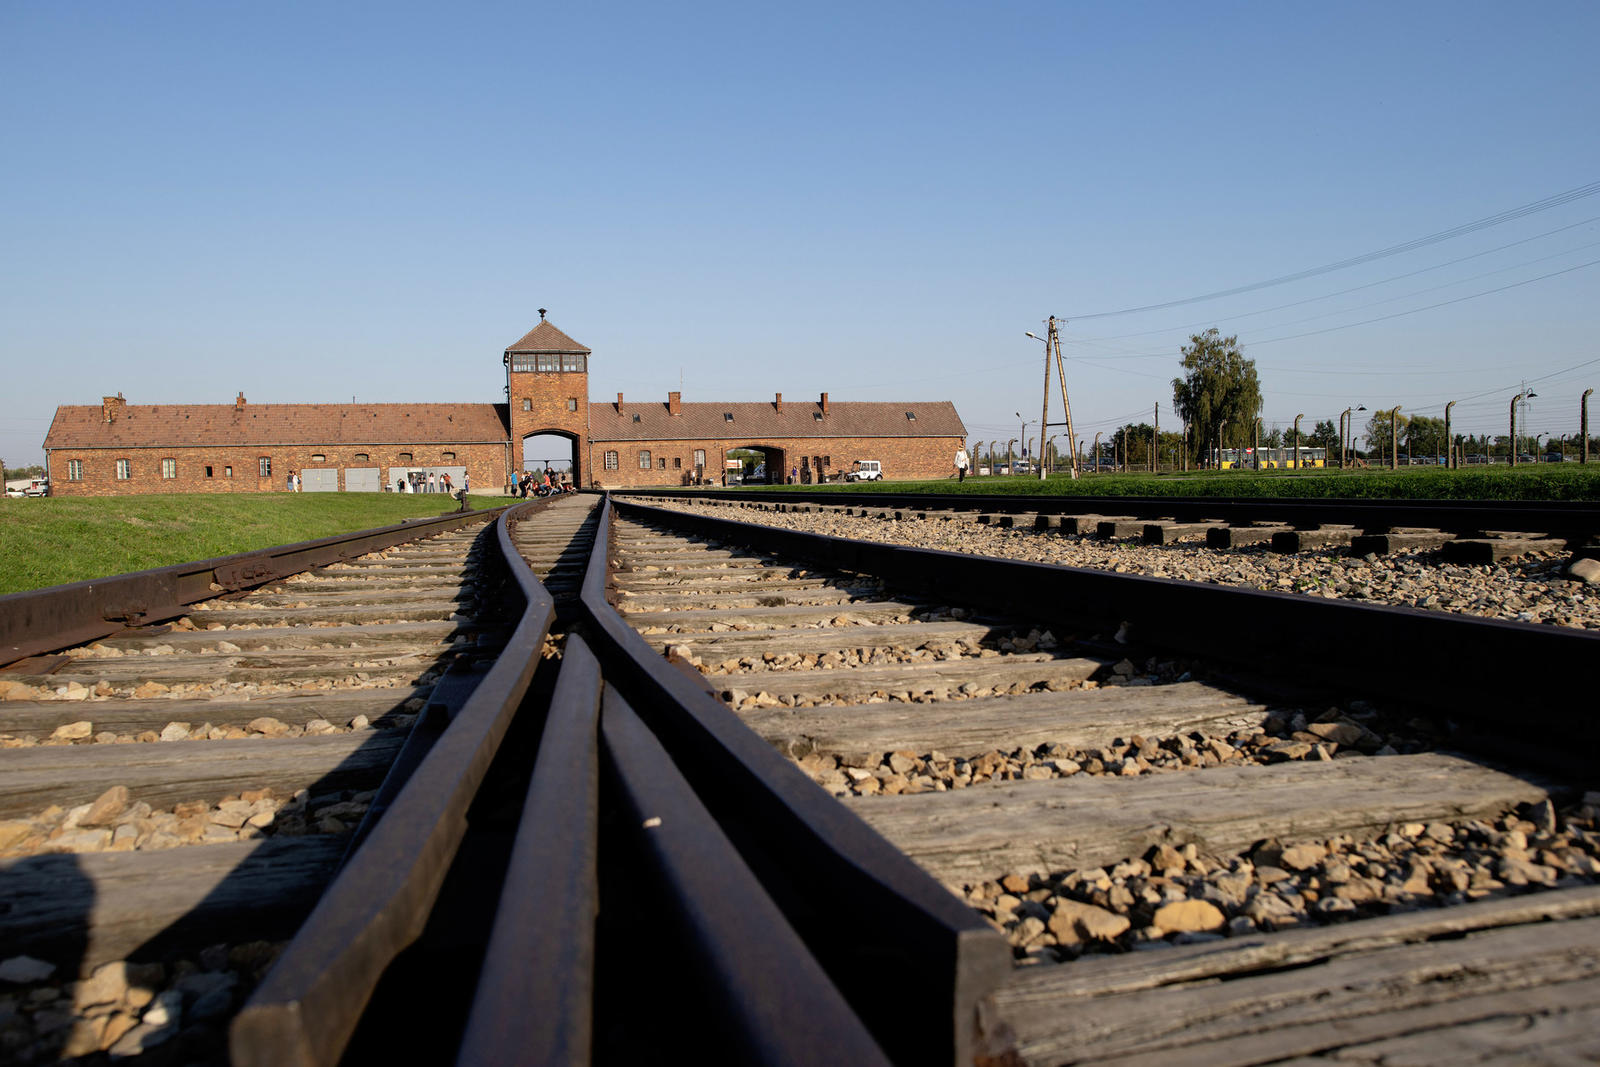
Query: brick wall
(485, 464)
(912, 458)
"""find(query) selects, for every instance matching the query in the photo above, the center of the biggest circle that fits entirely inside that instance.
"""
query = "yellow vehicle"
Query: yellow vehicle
(1286, 457)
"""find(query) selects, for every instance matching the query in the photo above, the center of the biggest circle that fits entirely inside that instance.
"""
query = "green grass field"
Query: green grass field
(65, 539)
(1543, 481)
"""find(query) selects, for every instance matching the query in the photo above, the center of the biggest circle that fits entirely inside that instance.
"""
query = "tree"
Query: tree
(1423, 435)
(1324, 436)
(1132, 444)
(1272, 437)
(1379, 433)
(1219, 389)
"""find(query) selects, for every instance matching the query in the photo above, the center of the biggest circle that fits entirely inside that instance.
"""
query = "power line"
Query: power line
(1371, 285)
(1546, 204)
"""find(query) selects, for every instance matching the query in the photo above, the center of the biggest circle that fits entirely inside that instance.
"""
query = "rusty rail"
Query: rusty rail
(43, 620)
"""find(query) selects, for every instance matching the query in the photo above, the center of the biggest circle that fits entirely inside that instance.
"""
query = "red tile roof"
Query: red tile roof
(708, 421)
(212, 425)
(546, 338)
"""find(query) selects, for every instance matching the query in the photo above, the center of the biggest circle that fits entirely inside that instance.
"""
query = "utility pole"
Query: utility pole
(1052, 345)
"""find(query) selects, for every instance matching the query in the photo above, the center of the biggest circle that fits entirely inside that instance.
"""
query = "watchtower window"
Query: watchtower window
(572, 403)
(574, 363)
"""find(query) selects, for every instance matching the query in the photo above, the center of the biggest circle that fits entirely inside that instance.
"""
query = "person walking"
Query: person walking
(962, 463)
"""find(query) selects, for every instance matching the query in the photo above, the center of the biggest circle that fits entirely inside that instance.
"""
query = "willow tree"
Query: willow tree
(1219, 389)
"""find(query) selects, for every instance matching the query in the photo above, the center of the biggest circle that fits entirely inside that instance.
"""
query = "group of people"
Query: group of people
(294, 481)
(534, 483)
(431, 484)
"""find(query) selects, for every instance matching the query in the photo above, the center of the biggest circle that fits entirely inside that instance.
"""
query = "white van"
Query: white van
(866, 470)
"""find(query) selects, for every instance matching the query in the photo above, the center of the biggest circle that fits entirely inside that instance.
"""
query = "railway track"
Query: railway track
(1070, 819)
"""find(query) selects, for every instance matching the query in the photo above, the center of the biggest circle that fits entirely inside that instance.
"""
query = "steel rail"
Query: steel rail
(1574, 520)
(534, 999)
(43, 620)
(310, 1002)
(725, 972)
(1498, 676)
(810, 853)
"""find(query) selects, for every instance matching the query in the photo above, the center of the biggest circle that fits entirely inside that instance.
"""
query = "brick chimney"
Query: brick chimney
(239, 401)
(777, 403)
(674, 403)
(824, 403)
(619, 403)
(111, 406)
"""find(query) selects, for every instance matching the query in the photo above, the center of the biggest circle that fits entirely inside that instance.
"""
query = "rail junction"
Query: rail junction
(589, 779)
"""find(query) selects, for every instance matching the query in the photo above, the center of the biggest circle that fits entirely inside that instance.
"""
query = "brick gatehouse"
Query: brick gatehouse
(116, 447)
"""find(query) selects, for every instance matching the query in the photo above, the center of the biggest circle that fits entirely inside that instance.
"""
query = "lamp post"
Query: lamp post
(1097, 434)
(1022, 436)
(1583, 424)
(1050, 449)
(1449, 442)
(1347, 431)
(1222, 424)
(1511, 450)
(1538, 449)
(1394, 438)
(1011, 461)
(1255, 442)
(1297, 419)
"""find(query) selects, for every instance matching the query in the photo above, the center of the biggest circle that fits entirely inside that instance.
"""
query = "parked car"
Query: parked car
(1554, 457)
(866, 470)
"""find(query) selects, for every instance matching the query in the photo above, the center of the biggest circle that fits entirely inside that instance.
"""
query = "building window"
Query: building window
(572, 403)
(227, 472)
(404, 457)
(451, 456)
(169, 468)
(663, 462)
(827, 461)
(361, 457)
(74, 470)
(911, 416)
(644, 459)
(527, 405)
(210, 471)
(699, 457)
(677, 463)
(817, 415)
(727, 416)
(611, 460)
(571, 362)
(124, 470)
(636, 418)
(318, 457)
(264, 466)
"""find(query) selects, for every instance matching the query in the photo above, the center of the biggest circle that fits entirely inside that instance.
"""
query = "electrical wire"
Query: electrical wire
(1546, 204)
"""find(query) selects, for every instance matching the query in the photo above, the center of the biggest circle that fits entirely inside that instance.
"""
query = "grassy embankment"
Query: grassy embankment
(66, 539)
(1542, 481)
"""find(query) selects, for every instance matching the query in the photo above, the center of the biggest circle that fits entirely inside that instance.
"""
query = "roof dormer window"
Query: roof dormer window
(911, 416)
(727, 416)
(636, 418)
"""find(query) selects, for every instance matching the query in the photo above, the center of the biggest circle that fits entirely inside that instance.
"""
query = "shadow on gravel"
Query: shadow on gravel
(211, 917)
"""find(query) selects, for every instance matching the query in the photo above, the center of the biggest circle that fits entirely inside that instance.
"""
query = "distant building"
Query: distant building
(117, 447)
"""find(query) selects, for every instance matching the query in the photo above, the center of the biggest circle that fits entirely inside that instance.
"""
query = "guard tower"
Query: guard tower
(547, 385)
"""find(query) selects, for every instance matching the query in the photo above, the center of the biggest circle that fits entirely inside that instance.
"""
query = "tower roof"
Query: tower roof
(546, 338)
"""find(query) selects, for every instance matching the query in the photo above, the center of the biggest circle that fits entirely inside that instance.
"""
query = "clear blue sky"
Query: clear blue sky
(309, 202)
